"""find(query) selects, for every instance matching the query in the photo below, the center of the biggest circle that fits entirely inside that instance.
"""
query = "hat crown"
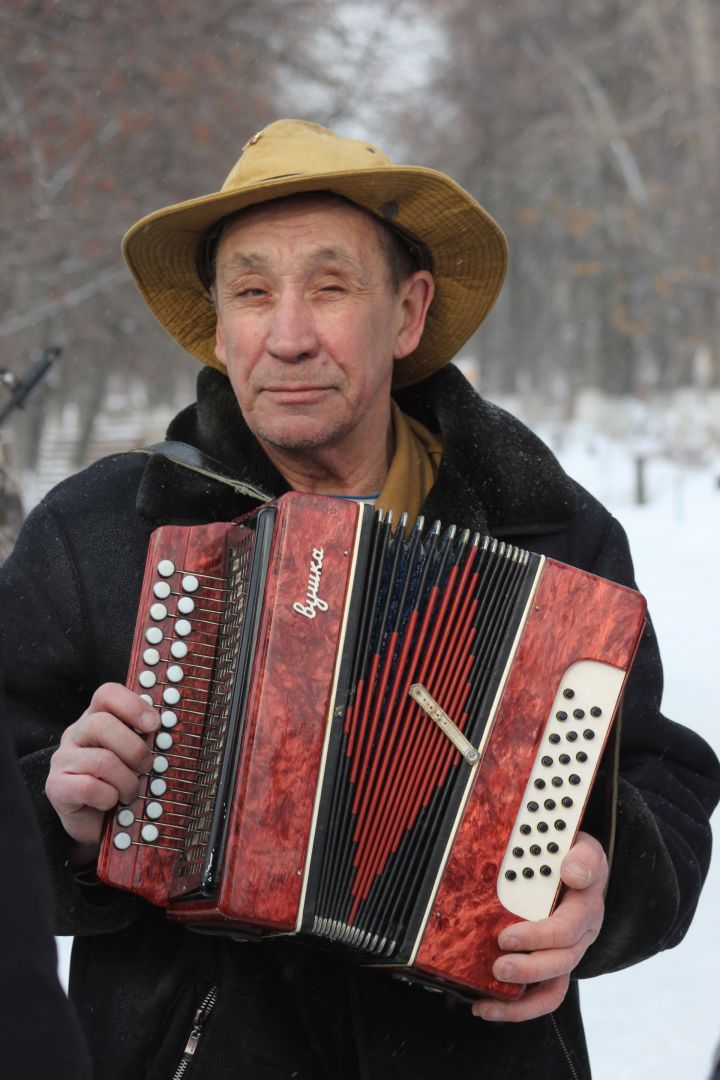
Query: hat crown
(288, 148)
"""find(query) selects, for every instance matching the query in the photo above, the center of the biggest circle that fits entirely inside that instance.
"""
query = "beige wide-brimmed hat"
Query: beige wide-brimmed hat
(467, 247)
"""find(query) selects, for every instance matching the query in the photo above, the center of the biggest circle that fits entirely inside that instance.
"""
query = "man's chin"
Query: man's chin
(298, 437)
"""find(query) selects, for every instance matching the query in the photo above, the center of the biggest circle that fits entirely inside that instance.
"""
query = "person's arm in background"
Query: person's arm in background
(39, 1032)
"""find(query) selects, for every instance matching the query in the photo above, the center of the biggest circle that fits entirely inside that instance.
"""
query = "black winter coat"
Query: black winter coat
(69, 596)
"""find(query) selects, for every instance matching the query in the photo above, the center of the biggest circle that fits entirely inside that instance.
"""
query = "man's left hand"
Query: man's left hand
(543, 954)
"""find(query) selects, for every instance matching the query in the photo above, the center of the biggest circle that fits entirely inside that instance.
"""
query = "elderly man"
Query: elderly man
(325, 289)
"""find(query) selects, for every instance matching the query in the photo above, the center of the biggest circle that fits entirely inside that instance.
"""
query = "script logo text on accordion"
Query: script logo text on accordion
(314, 602)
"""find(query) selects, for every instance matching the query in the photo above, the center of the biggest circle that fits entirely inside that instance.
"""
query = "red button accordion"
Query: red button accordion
(381, 743)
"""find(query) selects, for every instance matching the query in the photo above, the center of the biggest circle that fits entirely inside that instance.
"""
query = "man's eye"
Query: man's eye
(252, 291)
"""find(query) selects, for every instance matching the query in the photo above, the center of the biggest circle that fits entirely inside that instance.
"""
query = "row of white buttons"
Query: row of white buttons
(171, 696)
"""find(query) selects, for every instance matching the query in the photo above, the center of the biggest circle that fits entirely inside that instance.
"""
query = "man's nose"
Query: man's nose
(292, 335)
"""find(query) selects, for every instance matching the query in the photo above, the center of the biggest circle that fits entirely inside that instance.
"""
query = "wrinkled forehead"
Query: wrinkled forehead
(328, 209)
(402, 253)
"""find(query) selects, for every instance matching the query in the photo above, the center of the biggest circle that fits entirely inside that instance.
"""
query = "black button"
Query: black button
(545, 871)
(554, 738)
(557, 781)
(532, 805)
(559, 824)
(542, 826)
(564, 759)
(567, 802)
(540, 784)
(553, 848)
(510, 875)
(571, 736)
(528, 873)
(579, 714)
(569, 693)
(596, 711)
(588, 733)
(574, 779)
(535, 849)
(546, 760)
(581, 756)
(561, 715)
(549, 804)
(525, 829)
(518, 852)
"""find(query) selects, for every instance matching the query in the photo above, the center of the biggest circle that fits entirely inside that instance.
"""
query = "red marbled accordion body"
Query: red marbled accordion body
(574, 616)
(304, 749)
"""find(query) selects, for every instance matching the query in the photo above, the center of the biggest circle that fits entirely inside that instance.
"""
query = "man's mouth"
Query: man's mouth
(297, 393)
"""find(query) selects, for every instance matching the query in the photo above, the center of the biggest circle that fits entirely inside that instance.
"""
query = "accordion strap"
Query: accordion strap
(189, 457)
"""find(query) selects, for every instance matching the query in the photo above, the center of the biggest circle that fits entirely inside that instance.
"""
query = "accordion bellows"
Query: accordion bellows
(381, 743)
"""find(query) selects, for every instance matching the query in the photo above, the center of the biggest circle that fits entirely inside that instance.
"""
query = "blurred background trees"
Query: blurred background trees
(590, 130)
(596, 140)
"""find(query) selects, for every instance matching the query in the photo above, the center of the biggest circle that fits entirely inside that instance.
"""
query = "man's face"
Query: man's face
(308, 324)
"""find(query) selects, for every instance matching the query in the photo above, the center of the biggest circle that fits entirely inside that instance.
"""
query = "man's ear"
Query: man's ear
(416, 295)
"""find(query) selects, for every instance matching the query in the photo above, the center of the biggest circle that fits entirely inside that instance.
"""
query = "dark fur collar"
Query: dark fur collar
(496, 475)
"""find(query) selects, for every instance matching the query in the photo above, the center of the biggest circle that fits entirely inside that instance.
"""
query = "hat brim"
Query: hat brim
(468, 248)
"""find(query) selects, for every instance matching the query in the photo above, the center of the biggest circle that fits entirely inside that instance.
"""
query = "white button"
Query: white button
(186, 605)
(151, 656)
(179, 650)
(190, 583)
(158, 612)
(149, 833)
(174, 673)
(125, 818)
(157, 786)
(183, 627)
(122, 841)
(168, 718)
(146, 697)
(154, 810)
(147, 679)
(160, 764)
(163, 741)
(171, 695)
(166, 568)
(162, 590)
(154, 635)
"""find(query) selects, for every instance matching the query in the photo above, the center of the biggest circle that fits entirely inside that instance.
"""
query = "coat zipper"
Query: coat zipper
(563, 1046)
(202, 1013)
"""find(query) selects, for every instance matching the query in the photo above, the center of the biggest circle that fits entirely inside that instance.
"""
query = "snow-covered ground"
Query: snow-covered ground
(660, 1020)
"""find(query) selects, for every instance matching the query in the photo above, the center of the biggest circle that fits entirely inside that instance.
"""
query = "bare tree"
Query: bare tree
(108, 111)
(591, 130)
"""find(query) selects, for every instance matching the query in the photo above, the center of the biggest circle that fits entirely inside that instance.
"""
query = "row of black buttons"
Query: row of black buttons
(565, 759)
(541, 826)
(571, 736)
(557, 781)
(579, 714)
(549, 804)
(528, 872)
(535, 849)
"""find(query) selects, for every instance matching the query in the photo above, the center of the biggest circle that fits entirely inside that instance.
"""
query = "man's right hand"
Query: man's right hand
(98, 763)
